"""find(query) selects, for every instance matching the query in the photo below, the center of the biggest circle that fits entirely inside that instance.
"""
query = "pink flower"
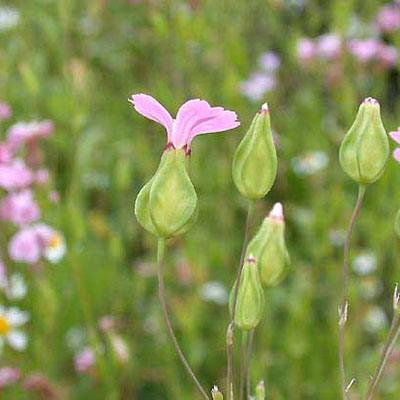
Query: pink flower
(395, 135)
(25, 246)
(54, 196)
(25, 131)
(6, 153)
(329, 46)
(5, 111)
(387, 55)
(306, 50)
(85, 360)
(20, 208)
(42, 176)
(364, 50)
(15, 175)
(8, 376)
(257, 85)
(388, 18)
(270, 62)
(195, 117)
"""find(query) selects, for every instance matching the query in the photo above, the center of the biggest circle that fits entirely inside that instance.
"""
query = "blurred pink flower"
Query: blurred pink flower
(106, 323)
(54, 196)
(84, 360)
(257, 85)
(329, 46)
(24, 246)
(195, 117)
(39, 384)
(24, 131)
(388, 18)
(364, 50)
(8, 376)
(42, 176)
(387, 55)
(20, 208)
(5, 111)
(15, 175)
(270, 62)
(6, 153)
(306, 50)
(395, 135)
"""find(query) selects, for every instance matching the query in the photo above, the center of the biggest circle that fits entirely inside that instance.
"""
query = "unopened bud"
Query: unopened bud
(365, 148)
(255, 162)
(260, 391)
(396, 300)
(167, 204)
(216, 394)
(269, 248)
(250, 297)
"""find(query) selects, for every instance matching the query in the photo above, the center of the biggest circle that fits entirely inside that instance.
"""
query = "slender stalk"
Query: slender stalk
(344, 305)
(248, 362)
(243, 364)
(161, 294)
(231, 326)
(391, 340)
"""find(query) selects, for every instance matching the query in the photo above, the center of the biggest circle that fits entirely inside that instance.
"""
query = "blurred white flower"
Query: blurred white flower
(215, 292)
(375, 319)
(55, 248)
(75, 338)
(337, 237)
(365, 263)
(9, 18)
(310, 163)
(16, 288)
(10, 321)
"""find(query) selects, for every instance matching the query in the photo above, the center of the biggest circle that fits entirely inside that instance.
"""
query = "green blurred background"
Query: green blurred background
(76, 63)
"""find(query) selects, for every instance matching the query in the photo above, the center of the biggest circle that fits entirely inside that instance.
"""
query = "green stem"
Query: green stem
(231, 326)
(391, 340)
(344, 304)
(161, 294)
(243, 364)
(248, 363)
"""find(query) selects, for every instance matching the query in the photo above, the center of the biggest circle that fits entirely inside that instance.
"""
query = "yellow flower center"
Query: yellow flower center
(55, 241)
(4, 326)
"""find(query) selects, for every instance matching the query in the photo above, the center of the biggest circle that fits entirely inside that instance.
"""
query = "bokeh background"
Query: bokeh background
(76, 63)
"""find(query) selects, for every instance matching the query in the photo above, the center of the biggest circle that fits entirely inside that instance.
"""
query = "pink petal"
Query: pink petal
(395, 135)
(197, 117)
(396, 155)
(152, 109)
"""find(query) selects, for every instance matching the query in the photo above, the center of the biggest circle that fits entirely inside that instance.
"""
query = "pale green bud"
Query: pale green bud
(269, 248)
(216, 394)
(250, 297)
(260, 391)
(167, 205)
(255, 162)
(365, 148)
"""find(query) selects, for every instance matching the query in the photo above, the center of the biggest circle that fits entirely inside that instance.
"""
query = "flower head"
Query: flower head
(395, 135)
(195, 117)
(8, 376)
(10, 322)
(85, 360)
(5, 111)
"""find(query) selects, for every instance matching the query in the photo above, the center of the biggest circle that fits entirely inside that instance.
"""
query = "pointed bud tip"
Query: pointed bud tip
(371, 101)
(277, 211)
(251, 258)
(264, 109)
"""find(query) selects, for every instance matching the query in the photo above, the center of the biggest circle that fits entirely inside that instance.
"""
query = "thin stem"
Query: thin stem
(248, 363)
(243, 363)
(391, 340)
(231, 326)
(344, 305)
(161, 294)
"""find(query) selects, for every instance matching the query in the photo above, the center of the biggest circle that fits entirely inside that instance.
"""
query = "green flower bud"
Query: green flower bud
(397, 224)
(269, 248)
(365, 148)
(255, 163)
(167, 205)
(216, 394)
(260, 391)
(250, 297)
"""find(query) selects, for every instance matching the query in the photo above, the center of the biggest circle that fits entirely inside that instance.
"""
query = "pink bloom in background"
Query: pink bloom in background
(25, 246)
(15, 175)
(85, 360)
(5, 111)
(329, 46)
(42, 176)
(6, 153)
(25, 131)
(8, 376)
(395, 135)
(257, 86)
(306, 50)
(195, 117)
(387, 55)
(20, 208)
(364, 50)
(54, 196)
(106, 323)
(270, 62)
(388, 18)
